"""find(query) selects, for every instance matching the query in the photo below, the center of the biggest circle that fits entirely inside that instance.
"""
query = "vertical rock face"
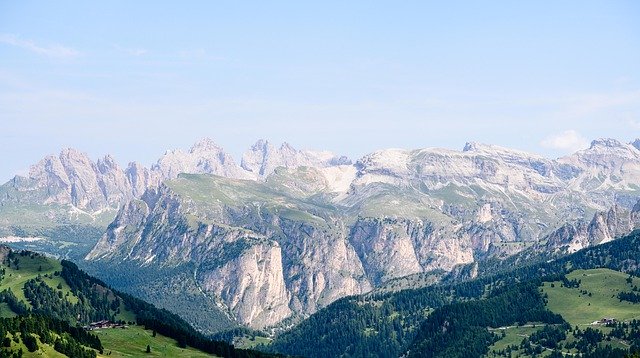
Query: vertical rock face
(83, 177)
(50, 175)
(140, 178)
(386, 248)
(113, 182)
(251, 285)
(263, 263)
(320, 264)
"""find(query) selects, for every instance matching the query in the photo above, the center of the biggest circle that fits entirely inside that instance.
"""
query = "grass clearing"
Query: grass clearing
(133, 341)
(251, 342)
(513, 335)
(581, 309)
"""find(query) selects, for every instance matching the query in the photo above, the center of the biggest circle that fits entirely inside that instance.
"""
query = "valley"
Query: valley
(265, 253)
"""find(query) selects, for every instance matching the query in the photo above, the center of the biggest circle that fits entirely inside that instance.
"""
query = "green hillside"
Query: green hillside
(133, 341)
(44, 303)
(583, 298)
(594, 299)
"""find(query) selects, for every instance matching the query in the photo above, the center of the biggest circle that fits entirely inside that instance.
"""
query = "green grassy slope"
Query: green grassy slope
(594, 299)
(44, 350)
(512, 336)
(604, 285)
(133, 341)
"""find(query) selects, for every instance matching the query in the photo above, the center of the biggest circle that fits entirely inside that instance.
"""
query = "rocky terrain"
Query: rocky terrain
(289, 231)
(302, 232)
(72, 188)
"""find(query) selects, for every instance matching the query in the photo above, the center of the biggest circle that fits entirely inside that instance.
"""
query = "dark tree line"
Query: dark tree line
(629, 297)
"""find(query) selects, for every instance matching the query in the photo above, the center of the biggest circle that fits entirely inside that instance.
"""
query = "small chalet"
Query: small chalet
(103, 324)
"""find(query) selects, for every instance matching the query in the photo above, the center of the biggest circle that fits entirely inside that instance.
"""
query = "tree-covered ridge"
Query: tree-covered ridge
(67, 339)
(36, 286)
(460, 329)
(160, 320)
(385, 325)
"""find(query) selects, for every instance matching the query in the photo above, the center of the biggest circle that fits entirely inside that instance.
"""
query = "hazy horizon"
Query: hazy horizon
(134, 80)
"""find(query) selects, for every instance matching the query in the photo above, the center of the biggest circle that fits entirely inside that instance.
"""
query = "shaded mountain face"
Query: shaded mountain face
(287, 232)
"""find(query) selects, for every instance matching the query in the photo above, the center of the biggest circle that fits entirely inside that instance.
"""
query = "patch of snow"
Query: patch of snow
(339, 178)
(149, 259)
(376, 178)
(393, 159)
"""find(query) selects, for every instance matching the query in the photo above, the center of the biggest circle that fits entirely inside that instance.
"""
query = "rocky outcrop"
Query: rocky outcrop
(251, 285)
(604, 226)
(262, 263)
(608, 167)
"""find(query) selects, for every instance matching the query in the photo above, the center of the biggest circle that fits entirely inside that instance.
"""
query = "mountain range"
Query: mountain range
(271, 240)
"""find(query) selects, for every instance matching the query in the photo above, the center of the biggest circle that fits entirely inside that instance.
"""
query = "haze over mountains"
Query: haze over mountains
(285, 232)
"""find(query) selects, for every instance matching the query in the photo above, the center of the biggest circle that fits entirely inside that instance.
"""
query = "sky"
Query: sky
(135, 78)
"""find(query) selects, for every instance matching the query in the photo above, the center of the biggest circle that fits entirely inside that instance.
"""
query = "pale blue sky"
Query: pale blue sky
(136, 78)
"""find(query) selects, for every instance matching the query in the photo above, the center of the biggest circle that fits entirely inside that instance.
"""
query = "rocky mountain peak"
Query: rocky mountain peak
(497, 150)
(636, 143)
(204, 157)
(262, 145)
(72, 156)
(606, 142)
(470, 146)
(108, 163)
(205, 145)
(286, 147)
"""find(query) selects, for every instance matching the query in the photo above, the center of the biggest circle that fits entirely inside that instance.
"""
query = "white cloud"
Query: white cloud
(567, 141)
(53, 50)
